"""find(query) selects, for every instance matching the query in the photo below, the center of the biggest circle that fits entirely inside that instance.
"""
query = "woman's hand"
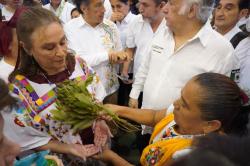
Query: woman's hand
(102, 133)
(116, 16)
(83, 151)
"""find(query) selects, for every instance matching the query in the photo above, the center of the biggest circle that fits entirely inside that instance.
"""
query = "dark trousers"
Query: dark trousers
(123, 92)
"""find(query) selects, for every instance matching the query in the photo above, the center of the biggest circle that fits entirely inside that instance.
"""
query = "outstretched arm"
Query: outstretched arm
(142, 116)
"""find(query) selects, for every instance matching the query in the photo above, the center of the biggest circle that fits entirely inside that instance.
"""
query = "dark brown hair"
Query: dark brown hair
(223, 100)
(29, 22)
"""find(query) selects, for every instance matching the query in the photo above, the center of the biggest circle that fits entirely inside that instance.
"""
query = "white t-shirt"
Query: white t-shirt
(93, 45)
(139, 36)
(64, 14)
(5, 70)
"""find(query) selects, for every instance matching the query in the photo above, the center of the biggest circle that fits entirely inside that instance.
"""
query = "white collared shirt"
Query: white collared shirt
(139, 36)
(65, 14)
(242, 51)
(165, 72)
(229, 35)
(123, 27)
(242, 21)
(93, 45)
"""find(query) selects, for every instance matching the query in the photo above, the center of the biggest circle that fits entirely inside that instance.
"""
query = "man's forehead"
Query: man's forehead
(146, 1)
(229, 2)
(176, 1)
(96, 1)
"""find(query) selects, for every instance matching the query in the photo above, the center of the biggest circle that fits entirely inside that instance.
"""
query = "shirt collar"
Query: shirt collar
(141, 18)
(80, 21)
(127, 18)
(229, 35)
(202, 35)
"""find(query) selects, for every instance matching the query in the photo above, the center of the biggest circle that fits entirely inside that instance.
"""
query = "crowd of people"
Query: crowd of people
(178, 68)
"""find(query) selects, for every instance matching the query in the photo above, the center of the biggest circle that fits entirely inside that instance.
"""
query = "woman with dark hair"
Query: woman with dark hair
(44, 62)
(209, 103)
(74, 13)
(122, 17)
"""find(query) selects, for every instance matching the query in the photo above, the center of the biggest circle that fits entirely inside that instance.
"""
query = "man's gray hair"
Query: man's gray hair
(205, 7)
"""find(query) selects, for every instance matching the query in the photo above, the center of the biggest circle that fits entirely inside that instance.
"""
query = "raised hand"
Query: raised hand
(117, 16)
(101, 132)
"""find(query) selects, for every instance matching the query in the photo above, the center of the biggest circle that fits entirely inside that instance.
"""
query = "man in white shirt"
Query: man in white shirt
(227, 15)
(140, 32)
(61, 8)
(94, 39)
(180, 52)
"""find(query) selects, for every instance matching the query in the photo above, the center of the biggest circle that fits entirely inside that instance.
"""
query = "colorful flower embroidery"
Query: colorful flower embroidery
(169, 133)
(153, 156)
(33, 110)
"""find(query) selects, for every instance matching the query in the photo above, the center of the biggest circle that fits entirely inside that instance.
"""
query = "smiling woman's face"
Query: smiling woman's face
(8, 149)
(49, 48)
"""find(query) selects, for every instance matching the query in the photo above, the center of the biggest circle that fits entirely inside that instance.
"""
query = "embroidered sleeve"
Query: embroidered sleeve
(35, 110)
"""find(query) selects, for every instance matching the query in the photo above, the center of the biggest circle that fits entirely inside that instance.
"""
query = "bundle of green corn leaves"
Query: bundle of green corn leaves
(77, 107)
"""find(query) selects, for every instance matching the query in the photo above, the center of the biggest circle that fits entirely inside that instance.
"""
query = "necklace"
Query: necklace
(45, 76)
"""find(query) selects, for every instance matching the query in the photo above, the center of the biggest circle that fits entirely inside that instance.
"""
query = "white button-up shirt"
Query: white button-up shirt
(123, 27)
(139, 36)
(93, 45)
(63, 11)
(242, 52)
(165, 72)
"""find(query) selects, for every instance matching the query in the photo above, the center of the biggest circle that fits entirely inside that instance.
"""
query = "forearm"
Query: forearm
(130, 52)
(125, 67)
(142, 116)
(96, 59)
(114, 159)
(55, 146)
